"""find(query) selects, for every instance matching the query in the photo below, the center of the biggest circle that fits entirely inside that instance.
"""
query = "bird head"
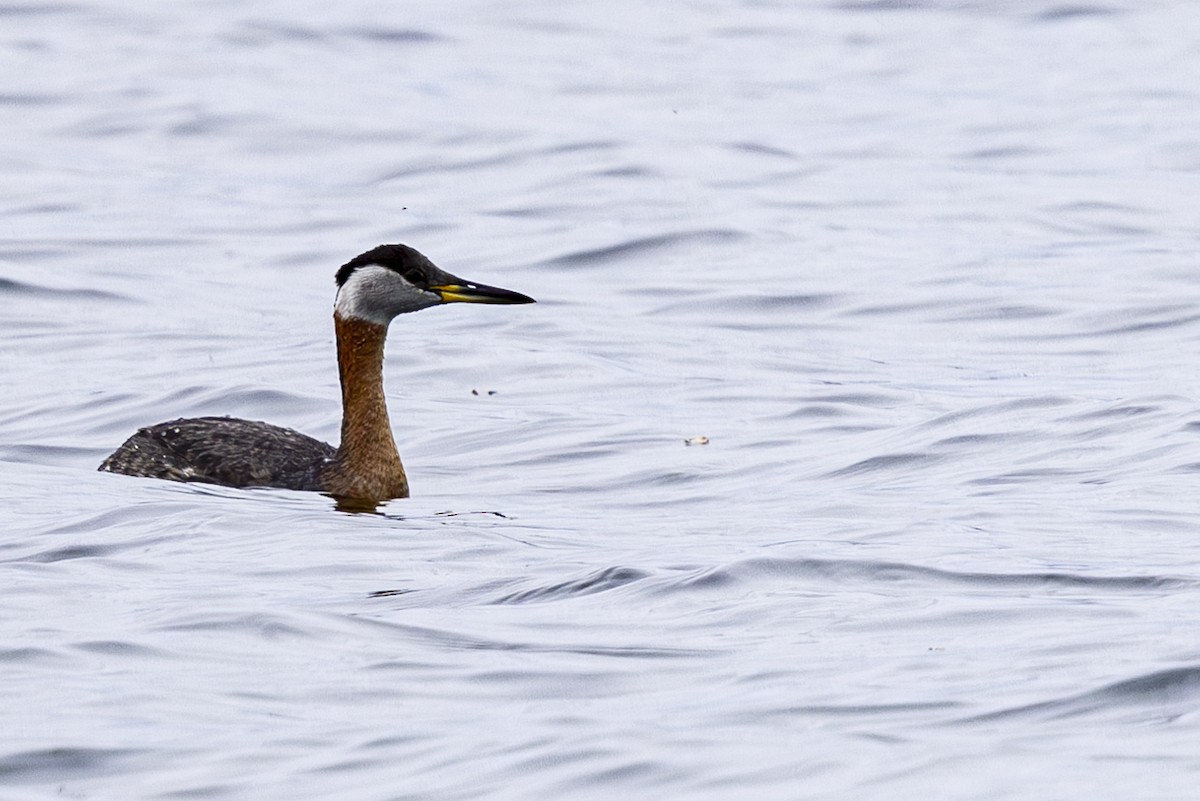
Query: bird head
(396, 279)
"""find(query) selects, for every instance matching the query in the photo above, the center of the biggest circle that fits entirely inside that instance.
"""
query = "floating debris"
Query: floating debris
(477, 392)
(696, 441)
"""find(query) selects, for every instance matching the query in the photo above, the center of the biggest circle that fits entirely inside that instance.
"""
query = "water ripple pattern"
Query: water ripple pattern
(850, 451)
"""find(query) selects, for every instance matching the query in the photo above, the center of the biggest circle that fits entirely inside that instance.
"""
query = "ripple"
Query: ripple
(996, 312)
(121, 519)
(70, 552)
(1164, 692)
(118, 648)
(1067, 13)
(265, 626)
(45, 454)
(999, 153)
(472, 162)
(600, 581)
(759, 149)
(1138, 321)
(1118, 411)
(749, 571)
(37, 9)
(893, 461)
(31, 655)
(866, 399)
(10, 286)
(849, 710)
(1029, 476)
(393, 35)
(43, 208)
(599, 257)
(28, 99)
(262, 32)
(63, 764)
(752, 312)
(462, 641)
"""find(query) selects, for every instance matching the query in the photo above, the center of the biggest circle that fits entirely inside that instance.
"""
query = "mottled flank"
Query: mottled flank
(224, 450)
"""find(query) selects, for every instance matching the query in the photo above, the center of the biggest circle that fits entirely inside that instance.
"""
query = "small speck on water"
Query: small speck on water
(696, 441)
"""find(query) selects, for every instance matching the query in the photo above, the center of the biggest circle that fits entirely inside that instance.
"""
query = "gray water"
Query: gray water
(926, 274)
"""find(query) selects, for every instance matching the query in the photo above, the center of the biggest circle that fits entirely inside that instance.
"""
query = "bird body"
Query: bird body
(372, 289)
(225, 451)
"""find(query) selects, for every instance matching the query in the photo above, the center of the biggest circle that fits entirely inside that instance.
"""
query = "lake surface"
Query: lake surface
(925, 273)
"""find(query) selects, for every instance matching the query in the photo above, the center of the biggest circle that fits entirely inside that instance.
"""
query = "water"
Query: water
(924, 273)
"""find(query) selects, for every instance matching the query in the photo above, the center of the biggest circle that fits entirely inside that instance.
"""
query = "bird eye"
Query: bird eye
(416, 278)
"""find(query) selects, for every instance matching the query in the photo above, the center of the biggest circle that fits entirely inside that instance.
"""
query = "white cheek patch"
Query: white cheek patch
(377, 294)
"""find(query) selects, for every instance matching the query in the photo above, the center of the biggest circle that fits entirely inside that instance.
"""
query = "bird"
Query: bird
(372, 289)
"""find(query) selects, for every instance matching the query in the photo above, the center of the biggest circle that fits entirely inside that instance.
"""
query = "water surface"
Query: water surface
(923, 273)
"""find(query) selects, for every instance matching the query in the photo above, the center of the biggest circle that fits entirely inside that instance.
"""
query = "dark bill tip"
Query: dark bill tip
(478, 293)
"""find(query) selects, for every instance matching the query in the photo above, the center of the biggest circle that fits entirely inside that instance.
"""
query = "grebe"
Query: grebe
(372, 289)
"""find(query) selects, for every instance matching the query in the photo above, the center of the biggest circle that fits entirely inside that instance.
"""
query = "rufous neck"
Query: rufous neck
(367, 440)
